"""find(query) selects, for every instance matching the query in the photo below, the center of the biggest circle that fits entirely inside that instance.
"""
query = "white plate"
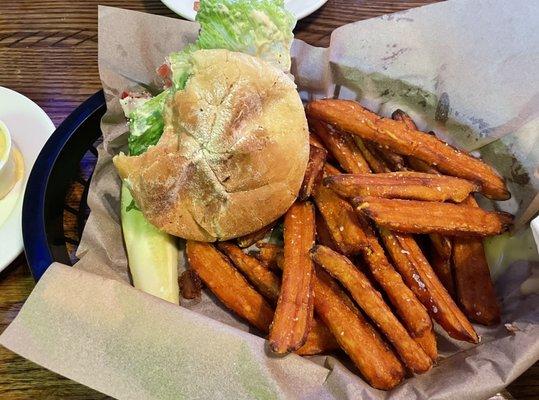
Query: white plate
(30, 128)
(300, 8)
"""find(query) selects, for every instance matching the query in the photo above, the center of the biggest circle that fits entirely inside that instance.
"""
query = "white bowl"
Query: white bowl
(8, 173)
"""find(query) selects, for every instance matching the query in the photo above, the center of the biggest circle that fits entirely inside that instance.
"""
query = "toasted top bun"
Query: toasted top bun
(233, 152)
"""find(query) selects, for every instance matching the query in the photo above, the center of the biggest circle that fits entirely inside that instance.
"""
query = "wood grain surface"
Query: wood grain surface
(48, 52)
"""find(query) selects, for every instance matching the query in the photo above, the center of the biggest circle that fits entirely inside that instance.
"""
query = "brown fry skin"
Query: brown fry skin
(314, 140)
(441, 245)
(267, 283)
(442, 268)
(320, 340)
(294, 313)
(428, 344)
(342, 146)
(405, 302)
(341, 220)
(190, 284)
(323, 235)
(269, 254)
(371, 154)
(228, 284)
(410, 216)
(356, 337)
(372, 303)
(252, 238)
(313, 173)
(402, 185)
(351, 117)
(419, 276)
(474, 287)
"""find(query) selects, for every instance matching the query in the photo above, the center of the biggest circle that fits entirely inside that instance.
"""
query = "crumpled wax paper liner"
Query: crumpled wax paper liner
(463, 68)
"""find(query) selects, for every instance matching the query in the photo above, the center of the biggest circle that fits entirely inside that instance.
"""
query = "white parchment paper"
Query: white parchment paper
(466, 69)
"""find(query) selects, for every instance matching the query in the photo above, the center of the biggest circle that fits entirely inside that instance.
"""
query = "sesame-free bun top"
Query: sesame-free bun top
(232, 155)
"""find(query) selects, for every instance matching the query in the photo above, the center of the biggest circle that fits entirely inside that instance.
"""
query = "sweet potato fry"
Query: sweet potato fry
(475, 291)
(372, 303)
(342, 146)
(252, 238)
(442, 268)
(313, 173)
(267, 283)
(428, 344)
(314, 140)
(410, 216)
(319, 340)
(402, 185)
(331, 170)
(228, 284)
(269, 254)
(294, 313)
(421, 166)
(323, 236)
(393, 161)
(356, 337)
(441, 245)
(350, 116)
(341, 220)
(409, 308)
(419, 276)
(399, 115)
(190, 284)
(371, 154)
(413, 163)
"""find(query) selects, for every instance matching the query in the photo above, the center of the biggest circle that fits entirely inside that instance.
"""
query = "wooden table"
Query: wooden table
(48, 52)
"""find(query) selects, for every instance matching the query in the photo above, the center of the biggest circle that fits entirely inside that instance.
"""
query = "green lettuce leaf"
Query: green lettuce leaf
(146, 124)
(261, 28)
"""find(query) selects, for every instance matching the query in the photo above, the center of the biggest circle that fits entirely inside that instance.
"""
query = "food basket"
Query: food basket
(54, 208)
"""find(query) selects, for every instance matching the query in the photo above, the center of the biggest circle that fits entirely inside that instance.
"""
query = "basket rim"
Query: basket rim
(37, 248)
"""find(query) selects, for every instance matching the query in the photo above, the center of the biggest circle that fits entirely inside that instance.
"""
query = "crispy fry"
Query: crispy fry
(442, 268)
(421, 166)
(441, 245)
(414, 163)
(228, 284)
(411, 311)
(420, 277)
(402, 185)
(474, 287)
(428, 344)
(319, 340)
(331, 170)
(267, 283)
(351, 117)
(323, 235)
(372, 303)
(313, 173)
(314, 140)
(356, 337)
(411, 216)
(269, 254)
(399, 115)
(341, 221)
(393, 161)
(371, 154)
(342, 146)
(294, 313)
(190, 285)
(252, 238)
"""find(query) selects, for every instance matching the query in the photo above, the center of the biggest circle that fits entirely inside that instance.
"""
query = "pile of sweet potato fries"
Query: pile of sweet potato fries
(384, 239)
